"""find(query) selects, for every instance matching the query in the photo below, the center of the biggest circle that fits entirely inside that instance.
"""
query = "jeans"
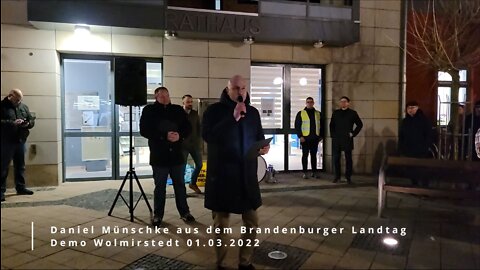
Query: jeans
(15, 151)
(197, 158)
(337, 152)
(221, 220)
(309, 146)
(160, 175)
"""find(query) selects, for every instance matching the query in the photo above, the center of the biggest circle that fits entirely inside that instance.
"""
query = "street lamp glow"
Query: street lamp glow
(389, 241)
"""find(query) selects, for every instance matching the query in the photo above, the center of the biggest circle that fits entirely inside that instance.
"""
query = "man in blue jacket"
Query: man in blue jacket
(230, 128)
(16, 123)
(165, 125)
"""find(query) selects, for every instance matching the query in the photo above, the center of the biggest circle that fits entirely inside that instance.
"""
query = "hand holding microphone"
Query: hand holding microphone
(240, 109)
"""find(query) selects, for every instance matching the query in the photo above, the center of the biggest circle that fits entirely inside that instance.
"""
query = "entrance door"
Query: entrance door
(279, 92)
(95, 130)
(88, 119)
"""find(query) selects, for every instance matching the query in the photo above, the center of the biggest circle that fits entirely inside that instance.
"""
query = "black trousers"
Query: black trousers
(309, 147)
(337, 154)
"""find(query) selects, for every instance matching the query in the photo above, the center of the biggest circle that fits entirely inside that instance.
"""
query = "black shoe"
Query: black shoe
(305, 176)
(349, 181)
(188, 217)
(336, 180)
(24, 191)
(219, 267)
(3, 197)
(156, 222)
(246, 267)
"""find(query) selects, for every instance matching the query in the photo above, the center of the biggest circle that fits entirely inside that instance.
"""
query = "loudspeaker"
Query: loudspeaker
(130, 81)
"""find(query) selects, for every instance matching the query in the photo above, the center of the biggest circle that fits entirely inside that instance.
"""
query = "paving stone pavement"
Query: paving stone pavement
(327, 226)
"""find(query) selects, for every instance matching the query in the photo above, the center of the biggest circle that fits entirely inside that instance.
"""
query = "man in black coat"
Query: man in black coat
(230, 127)
(16, 123)
(165, 125)
(415, 135)
(342, 132)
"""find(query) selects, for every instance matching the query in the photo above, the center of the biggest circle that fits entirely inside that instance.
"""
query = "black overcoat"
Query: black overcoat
(232, 184)
(341, 126)
(415, 136)
(156, 121)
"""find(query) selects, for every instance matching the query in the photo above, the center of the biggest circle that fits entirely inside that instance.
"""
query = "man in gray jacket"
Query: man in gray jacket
(16, 122)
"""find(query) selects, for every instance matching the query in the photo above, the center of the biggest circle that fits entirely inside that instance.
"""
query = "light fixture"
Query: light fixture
(170, 35)
(303, 81)
(318, 44)
(249, 40)
(277, 81)
(390, 241)
(82, 29)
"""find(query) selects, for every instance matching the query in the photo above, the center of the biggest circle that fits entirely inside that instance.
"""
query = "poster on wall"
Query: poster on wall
(88, 103)
(267, 106)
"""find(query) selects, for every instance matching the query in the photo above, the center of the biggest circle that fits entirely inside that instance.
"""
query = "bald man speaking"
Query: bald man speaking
(230, 128)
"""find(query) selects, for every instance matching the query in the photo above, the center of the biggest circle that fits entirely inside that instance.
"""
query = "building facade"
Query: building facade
(369, 71)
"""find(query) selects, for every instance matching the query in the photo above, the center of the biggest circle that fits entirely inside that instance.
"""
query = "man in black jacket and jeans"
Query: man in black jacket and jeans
(342, 132)
(165, 125)
(16, 122)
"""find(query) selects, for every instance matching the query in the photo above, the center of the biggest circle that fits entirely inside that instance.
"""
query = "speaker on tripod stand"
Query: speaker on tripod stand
(130, 90)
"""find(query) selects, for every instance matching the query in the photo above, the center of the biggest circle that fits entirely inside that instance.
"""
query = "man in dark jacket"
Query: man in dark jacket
(415, 136)
(16, 122)
(165, 126)
(307, 127)
(193, 143)
(230, 127)
(342, 132)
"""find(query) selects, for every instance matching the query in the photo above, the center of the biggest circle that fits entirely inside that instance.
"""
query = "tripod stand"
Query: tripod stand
(130, 175)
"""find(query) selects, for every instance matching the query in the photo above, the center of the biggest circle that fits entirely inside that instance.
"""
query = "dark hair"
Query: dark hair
(345, 97)
(309, 98)
(411, 103)
(187, 95)
(161, 88)
(477, 104)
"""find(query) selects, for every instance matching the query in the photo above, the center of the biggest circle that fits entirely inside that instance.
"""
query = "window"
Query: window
(279, 93)
(444, 93)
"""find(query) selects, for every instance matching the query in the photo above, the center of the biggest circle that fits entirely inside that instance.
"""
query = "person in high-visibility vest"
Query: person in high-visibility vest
(309, 131)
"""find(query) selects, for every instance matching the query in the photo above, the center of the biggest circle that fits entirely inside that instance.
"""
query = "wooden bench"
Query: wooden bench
(429, 170)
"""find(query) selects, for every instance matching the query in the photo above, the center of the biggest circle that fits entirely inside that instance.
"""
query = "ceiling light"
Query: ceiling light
(82, 29)
(389, 241)
(318, 44)
(277, 81)
(170, 35)
(303, 81)
(249, 40)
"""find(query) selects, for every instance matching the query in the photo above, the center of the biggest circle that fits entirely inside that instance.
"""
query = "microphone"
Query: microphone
(240, 99)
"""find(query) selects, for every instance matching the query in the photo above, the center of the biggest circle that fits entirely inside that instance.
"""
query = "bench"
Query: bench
(430, 170)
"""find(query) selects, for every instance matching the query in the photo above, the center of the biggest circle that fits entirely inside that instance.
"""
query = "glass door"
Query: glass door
(279, 92)
(141, 155)
(95, 130)
(87, 113)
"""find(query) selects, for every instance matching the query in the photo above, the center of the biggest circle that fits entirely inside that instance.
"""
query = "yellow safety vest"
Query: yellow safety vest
(306, 123)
